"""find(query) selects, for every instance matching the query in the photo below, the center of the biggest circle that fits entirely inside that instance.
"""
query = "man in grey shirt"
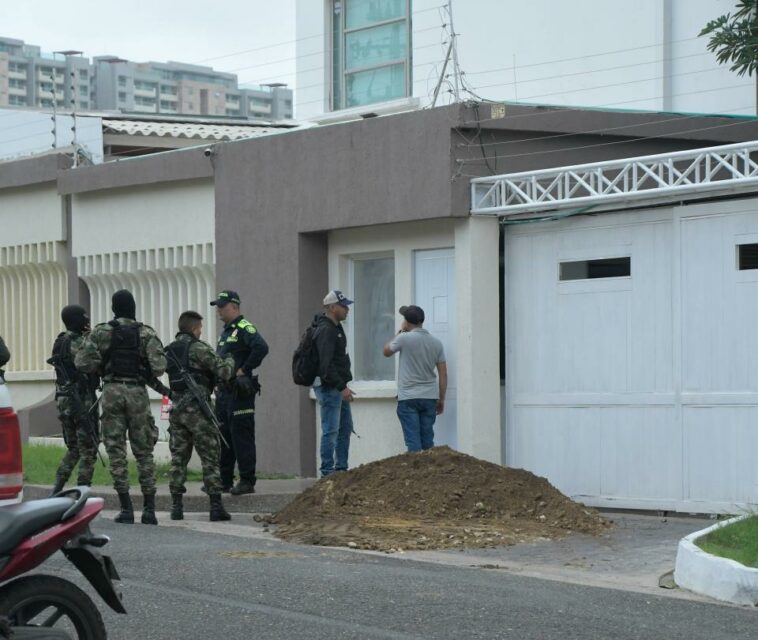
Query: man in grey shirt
(420, 393)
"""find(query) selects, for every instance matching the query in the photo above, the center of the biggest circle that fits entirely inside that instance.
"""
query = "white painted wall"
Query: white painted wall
(478, 414)
(636, 392)
(156, 241)
(33, 286)
(24, 132)
(594, 53)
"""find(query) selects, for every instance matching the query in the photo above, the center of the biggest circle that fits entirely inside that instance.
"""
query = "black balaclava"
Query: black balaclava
(75, 318)
(123, 305)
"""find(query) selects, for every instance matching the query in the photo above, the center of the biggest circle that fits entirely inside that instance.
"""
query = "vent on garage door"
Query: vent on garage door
(601, 268)
(747, 256)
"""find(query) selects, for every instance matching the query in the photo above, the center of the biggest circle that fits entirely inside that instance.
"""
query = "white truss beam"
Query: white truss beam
(683, 175)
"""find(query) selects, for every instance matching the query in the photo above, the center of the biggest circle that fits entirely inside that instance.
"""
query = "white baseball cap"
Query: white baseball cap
(337, 297)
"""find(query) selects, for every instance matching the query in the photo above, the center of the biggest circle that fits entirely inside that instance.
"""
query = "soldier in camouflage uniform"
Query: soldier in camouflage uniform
(127, 354)
(188, 424)
(75, 396)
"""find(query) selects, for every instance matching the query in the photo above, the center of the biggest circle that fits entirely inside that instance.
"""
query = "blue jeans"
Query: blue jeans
(417, 419)
(336, 427)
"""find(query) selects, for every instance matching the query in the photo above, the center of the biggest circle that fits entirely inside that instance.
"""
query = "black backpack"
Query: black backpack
(305, 359)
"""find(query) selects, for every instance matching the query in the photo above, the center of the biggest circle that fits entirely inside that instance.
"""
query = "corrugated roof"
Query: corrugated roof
(186, 129)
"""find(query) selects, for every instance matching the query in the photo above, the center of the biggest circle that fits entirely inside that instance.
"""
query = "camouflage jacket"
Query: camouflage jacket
(90, 357)
(204, 358)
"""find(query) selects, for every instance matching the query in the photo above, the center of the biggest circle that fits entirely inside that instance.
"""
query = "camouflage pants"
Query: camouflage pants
(126, 411)
(188, 427)
(79, 444)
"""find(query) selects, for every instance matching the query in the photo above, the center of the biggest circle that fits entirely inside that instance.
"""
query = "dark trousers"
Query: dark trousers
(237, 419)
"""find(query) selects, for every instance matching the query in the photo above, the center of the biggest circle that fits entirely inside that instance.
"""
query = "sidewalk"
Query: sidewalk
(632, 556)
(270, 496)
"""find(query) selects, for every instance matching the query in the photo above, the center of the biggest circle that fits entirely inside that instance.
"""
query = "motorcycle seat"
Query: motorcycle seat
(22, 520)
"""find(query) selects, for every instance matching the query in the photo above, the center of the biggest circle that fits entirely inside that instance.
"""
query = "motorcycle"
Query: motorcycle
(40, 606)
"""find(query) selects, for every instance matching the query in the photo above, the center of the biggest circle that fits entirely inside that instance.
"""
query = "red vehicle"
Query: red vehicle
(11, 470)
(46, 606)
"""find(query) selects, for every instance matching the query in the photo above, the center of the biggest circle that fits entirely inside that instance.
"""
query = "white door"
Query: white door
(434, 292)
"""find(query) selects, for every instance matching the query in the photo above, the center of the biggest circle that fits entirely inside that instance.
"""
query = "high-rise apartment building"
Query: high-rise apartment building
(31, 78)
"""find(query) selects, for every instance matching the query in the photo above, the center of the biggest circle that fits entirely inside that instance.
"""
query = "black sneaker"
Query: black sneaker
(243, 486)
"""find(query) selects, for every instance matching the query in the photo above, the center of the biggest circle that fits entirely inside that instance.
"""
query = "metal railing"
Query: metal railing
(721, 170)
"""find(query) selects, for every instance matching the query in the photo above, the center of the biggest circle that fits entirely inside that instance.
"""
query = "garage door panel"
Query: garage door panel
(720, 446)
(617, 345)
(641, 452)
(559, 443)
(719, 306)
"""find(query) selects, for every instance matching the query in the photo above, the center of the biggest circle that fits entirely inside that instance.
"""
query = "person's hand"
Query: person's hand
(440, 407)
(348, 395)
(245, 386)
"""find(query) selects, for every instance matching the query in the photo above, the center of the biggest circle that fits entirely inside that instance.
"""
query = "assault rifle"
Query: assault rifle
(71, 389)
(198, 394)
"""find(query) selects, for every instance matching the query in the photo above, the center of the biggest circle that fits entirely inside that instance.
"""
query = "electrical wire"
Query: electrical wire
(584, 57)
(599, 145)
(288, 42)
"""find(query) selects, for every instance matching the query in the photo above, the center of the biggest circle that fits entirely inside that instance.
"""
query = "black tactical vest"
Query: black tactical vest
(178, 353)
(123, 359)
(63, 361)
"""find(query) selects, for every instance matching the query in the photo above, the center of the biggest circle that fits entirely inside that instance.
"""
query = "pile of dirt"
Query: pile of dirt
(434, 499)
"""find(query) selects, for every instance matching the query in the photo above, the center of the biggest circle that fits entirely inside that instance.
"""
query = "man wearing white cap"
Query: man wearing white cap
(333, 394)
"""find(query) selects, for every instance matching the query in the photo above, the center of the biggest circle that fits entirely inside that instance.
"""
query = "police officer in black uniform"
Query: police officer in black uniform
(235, 401)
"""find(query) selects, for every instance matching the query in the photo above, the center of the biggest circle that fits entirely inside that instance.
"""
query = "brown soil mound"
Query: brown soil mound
(432, 500)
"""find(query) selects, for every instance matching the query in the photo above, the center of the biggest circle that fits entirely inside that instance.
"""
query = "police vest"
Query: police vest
(123, 358)
(233, 344)
(179, 355)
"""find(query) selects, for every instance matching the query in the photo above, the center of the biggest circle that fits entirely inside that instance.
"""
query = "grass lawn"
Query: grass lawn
(41, 462)
(737, 541)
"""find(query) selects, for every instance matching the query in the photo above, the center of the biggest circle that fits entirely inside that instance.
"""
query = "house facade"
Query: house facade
(583, 380)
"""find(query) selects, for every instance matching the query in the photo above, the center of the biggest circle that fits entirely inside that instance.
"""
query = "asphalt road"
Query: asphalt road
(182, 584)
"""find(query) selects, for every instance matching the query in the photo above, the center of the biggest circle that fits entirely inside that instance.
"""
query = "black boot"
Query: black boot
(148, 509)
(126, 515)
(58, 486)
(243, 486)
(217, 508)
(177, 507)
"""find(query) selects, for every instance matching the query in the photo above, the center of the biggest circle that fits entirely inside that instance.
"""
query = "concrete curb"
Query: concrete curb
(709, 575)
(248, 503)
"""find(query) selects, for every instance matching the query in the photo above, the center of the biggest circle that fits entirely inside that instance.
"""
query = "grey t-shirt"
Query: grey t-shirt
(420, 353)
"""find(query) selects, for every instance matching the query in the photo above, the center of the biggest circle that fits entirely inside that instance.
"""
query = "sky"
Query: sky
(195, 31)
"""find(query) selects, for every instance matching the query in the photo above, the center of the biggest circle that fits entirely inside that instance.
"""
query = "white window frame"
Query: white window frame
(343, 71)
(349, 262)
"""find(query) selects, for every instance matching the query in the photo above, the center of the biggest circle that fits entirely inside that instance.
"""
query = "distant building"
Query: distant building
(31, 78)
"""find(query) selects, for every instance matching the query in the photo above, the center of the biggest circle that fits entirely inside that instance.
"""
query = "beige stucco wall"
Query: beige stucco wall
(475, 242)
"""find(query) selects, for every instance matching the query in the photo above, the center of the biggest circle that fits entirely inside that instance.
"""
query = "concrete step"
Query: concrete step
(270, 496)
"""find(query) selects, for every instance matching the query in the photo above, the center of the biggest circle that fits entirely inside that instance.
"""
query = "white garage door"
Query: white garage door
(630, 348)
